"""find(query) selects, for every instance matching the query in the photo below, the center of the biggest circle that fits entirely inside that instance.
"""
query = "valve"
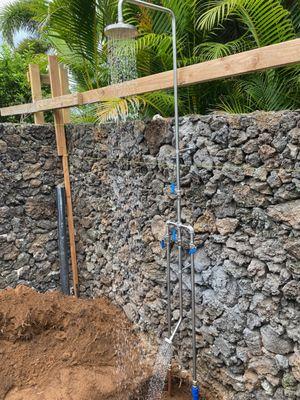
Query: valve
(192, 250)
(163, 244)
(173, 188)
(174, 235)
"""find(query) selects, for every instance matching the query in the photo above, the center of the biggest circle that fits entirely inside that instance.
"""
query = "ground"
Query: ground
(60, 348)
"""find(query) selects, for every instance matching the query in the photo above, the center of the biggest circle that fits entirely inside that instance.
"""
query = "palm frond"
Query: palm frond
(212, 50)
(217, 11)
(266, 20)
(119, 109)
(21, 15)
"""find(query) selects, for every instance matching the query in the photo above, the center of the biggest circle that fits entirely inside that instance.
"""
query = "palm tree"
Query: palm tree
(206, 30)
(22, 15)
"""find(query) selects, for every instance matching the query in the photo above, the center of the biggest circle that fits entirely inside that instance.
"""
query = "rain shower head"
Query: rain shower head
(120, 30)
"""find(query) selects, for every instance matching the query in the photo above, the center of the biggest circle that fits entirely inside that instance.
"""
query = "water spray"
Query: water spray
(174, 230)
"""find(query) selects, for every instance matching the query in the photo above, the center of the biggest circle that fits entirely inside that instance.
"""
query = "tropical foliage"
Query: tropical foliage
(207, 29)
(14, 87)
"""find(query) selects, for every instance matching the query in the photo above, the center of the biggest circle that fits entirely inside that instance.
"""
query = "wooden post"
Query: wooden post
(64, 85)
(36, 90)
(62, 151)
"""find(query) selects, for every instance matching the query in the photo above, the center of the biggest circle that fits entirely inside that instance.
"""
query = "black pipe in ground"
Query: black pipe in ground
(62, 239)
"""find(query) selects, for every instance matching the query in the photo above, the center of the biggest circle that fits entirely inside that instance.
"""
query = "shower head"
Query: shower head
(120, 30)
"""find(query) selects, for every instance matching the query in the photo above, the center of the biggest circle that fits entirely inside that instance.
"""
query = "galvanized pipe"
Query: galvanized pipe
(178, 225)
(178, 178)
(169, 280)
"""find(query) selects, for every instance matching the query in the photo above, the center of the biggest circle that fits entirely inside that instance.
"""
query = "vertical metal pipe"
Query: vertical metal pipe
(193, 284)
(169, 304)
(62, 239)
(169, 280)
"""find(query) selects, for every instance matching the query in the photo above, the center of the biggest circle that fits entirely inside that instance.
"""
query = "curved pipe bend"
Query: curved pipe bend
(143, 4)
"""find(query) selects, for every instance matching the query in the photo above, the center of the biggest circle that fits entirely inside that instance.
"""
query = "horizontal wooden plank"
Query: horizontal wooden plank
(70, 100)
(274, 56)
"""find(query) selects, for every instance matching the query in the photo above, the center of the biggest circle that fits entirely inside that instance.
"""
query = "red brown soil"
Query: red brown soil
(54, 347)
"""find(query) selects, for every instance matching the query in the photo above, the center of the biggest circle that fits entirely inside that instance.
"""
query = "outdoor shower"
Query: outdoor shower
(174, 230)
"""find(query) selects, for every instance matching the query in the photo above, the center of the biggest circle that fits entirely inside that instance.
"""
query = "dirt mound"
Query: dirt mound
(60, 348)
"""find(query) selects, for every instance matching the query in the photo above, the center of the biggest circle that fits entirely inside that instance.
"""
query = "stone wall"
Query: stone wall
(28, 237)
(241, 181)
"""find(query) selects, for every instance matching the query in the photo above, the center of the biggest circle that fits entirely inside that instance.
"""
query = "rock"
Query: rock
(130, 311)
(292, 290)
(245, 197)
(222, 347)
(268, 388)
(251, 380)
(235, 156)
(3, 147)
(263, 366)
(257, 267)
(282, 362)
(250, 147)
(156, 133)
(202, 261)
(294, 361)
(203, 160)
(32, 171)
(38, 208)
(271, 285)
(252, 339)
(292, 246)
(289, 382)
(274, 180)
(287, 212)
(275, 343)
(158, 227)
(231, 171)
(206, 223)
(265, 151)
(294, 135)
(167, 154)
(226, 225)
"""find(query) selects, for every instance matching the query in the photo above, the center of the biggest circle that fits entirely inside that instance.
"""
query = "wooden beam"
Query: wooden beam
(36, 90)
(70, 100)
(64, 85)
(58, 114)
(71, 227)
(274, 56)
(62, 151)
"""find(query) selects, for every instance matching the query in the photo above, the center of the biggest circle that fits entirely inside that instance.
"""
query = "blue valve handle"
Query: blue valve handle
(173, 188)
(163, 244)
(174, 235)
(193, 250)
(195, 392)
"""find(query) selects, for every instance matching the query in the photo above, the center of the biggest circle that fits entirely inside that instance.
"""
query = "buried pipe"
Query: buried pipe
(62, 239)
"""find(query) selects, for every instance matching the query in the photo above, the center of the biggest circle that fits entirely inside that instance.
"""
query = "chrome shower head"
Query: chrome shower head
(120, 31)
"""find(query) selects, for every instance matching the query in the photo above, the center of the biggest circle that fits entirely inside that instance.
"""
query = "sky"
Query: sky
(21, 35)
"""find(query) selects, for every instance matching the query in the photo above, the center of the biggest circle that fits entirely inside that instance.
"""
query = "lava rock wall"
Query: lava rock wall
(29, 171)
(241, 192)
